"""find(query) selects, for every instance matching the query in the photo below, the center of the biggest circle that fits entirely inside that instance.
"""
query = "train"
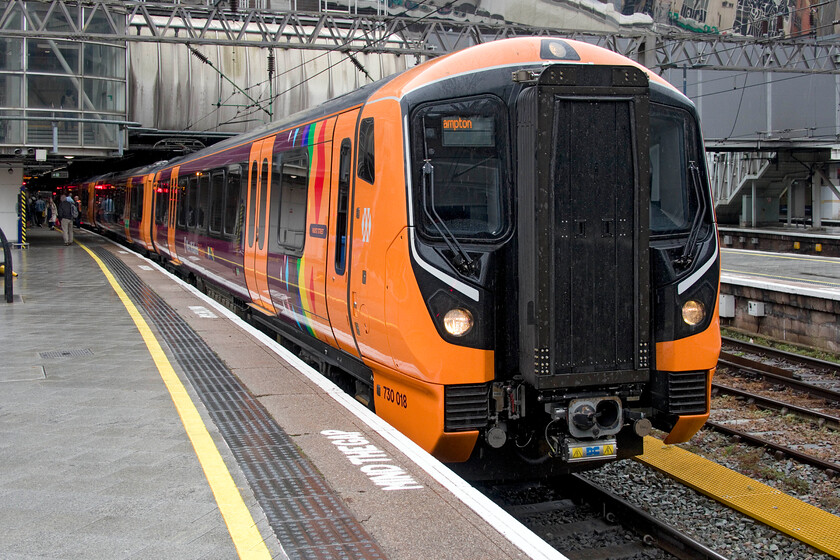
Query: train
(509, 253)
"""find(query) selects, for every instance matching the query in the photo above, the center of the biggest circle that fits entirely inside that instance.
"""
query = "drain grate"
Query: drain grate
(61, 354)
(304, 512)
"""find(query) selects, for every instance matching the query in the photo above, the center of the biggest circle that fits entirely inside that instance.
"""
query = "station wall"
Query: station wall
(800, 319)
(10, 180)
(172, 89)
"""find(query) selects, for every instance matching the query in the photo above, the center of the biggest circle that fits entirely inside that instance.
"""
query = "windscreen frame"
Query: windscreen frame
(430, 115)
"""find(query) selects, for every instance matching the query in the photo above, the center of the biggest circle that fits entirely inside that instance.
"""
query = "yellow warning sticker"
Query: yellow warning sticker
(580, 451)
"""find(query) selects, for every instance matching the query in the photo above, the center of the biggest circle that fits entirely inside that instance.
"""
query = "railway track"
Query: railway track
(818, 372)
(584, 521)
(778, 376)
(815, 404)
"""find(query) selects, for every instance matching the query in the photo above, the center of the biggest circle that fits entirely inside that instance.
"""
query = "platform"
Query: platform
(142, 420)
(807, 275)
(822, 241)
(783, 296)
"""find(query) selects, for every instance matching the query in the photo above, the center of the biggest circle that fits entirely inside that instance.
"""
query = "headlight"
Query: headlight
(458, 322)
(693, 312)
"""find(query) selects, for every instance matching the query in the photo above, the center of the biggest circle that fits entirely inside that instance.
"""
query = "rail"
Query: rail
(8, 271)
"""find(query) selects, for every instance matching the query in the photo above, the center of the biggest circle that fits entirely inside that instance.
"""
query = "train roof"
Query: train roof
(514, 53)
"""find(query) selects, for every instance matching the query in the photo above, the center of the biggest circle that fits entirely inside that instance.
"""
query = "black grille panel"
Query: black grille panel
(685, 392)
(465, 407)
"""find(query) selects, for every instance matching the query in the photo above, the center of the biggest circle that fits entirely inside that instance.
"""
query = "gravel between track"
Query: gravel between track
(722, 529)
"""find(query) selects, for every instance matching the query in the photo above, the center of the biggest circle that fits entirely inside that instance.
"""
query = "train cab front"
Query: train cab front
(615, 331)
(598, 272)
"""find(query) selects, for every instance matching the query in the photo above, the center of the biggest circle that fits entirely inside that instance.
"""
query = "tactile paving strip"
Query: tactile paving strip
(308, 518)
(798, 519)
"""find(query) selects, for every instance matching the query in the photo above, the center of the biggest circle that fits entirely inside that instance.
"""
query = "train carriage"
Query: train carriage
(508, 251)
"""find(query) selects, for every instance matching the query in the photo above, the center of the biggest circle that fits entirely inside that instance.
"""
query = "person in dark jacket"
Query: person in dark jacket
(65, 214)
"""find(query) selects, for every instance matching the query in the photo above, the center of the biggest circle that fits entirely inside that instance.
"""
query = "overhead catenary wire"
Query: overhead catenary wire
(339, 48)
(207, 61)
(256, 105)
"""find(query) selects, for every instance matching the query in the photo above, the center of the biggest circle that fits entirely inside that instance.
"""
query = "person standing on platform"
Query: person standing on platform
(65, 214)
(78, 203)
(40, 208)
(52, 215)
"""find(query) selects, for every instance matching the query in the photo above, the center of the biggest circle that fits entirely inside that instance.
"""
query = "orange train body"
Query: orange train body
(506, 251)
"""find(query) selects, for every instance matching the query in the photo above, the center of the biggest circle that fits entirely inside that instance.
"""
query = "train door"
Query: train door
(172, 215)
(89, 202)
(337, 256)
(258, 203)
(145, 208)
(127, 209)
(159, 210)
(583, 222)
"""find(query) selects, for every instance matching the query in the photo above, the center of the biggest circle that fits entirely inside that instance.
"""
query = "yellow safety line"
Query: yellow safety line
(246, 537)
(802, 521)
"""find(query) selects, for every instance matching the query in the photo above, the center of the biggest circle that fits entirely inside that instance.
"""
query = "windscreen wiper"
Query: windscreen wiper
(460, 260)
(687, 258)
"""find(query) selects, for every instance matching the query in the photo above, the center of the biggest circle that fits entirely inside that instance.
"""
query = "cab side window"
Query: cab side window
(366, 151)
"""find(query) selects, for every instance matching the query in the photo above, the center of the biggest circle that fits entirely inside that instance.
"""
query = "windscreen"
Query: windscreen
(464, 189)
(673, 145)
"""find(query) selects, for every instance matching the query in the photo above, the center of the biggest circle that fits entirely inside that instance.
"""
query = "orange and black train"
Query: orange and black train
(506, 252)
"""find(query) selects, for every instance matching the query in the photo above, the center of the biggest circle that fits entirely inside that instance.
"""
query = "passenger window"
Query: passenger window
(202, 206)
(162, 203)
(344, 163)
(181, 201)
(136, 208)
(294, 183)
(191, 187)
(132, 198)
(234, 207)
(141, 191)
(217, 193)
(119, 203)
(366, 151)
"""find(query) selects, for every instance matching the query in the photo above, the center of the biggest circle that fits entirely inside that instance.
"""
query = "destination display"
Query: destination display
(468, 131)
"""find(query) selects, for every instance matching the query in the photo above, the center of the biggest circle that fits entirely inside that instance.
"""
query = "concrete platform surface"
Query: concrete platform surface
(96, 462)
(809, 275)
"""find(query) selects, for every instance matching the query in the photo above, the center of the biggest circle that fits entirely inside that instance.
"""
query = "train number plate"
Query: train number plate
(590, 450)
